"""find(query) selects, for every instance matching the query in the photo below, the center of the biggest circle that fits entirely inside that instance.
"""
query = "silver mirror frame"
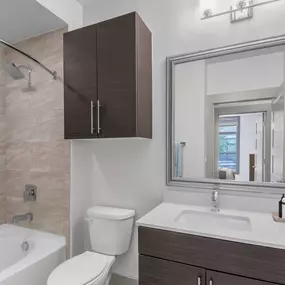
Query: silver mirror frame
(171, 62)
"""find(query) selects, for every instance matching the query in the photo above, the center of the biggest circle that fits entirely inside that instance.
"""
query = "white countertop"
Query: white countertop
(264, 231)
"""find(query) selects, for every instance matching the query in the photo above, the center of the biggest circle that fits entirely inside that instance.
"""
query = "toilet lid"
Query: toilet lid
(81, 269)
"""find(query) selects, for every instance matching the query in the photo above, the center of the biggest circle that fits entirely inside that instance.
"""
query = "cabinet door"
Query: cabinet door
(117, 76)
(154, 271)
(80, 77)
(216, 278)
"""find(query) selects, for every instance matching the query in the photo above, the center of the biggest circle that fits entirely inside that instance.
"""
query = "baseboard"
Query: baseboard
(121, 280)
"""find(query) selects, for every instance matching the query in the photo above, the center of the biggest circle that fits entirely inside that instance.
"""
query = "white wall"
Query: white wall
(245, 74)
(130, 172)
(69, 11)
(190, 116)
(81, 196)
(247, 143)
(123, 173)
(277, 144)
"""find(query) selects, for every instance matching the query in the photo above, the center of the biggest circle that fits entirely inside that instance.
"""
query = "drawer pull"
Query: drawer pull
(199, 280)
(211, 282)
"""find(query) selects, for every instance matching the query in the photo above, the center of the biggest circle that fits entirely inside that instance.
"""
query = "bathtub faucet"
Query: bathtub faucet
(20, 218)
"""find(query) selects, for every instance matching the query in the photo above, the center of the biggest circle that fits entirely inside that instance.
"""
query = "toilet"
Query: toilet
(110, 231)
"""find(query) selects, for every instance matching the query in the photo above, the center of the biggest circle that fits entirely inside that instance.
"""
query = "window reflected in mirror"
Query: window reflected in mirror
(229, 141)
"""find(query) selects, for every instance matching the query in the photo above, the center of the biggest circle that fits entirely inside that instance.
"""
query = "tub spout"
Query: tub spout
(20, 218)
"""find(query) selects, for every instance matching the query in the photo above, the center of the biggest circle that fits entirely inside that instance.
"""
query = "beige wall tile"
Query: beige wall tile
(50, 126)
(2, 162)
(2, 209)
(21, 129)
(33, 150)
(16, 206)
(3, 148)
(53, 197)
(3, 94)
(3, 131)
(17, 102)
(48, 99)
(49, 217)
(2, 62)
(50, 156)
(18, 156)
(15, 182)
(50, 180)
(3, 182)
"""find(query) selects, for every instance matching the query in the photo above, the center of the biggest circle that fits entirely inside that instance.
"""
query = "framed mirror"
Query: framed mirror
(225, 116)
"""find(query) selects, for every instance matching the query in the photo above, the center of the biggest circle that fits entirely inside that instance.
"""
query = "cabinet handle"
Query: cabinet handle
(98, 117)
(199, 280)
(211, 282)
(91, 117)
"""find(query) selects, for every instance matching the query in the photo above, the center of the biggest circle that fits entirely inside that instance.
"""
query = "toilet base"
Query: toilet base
(108, 280)
(102, 281)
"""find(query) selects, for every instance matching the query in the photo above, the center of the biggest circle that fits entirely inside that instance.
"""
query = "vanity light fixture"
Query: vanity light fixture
(241, 11)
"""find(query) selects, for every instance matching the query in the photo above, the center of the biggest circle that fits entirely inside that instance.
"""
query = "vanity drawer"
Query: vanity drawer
(242, 259)
(155, 271)
(226, 279)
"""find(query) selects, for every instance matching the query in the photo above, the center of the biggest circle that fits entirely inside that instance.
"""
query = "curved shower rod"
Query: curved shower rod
(53, 73)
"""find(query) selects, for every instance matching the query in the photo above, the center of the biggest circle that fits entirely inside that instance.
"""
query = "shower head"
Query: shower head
(53, 73)
(14, 71)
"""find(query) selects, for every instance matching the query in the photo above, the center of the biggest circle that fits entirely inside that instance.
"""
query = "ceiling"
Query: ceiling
(22, 19)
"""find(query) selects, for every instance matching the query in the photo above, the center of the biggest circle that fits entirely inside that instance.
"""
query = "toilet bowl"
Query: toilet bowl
(110, 231)
(89, 268)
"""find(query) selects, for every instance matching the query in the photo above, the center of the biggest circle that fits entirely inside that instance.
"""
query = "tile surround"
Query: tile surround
(2, 208)
(32, 145)
(2, 137)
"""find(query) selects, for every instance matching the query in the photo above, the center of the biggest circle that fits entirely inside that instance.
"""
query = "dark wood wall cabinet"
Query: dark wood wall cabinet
(108, 80)
(169, 258)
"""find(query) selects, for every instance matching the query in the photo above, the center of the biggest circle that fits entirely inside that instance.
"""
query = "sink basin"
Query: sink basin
(195, 220)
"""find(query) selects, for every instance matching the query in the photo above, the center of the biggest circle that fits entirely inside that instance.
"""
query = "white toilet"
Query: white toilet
(110, 235)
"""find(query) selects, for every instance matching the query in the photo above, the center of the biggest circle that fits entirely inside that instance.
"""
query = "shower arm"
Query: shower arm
(53, 73)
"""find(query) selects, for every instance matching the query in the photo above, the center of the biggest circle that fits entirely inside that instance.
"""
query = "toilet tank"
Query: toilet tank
(110, 229)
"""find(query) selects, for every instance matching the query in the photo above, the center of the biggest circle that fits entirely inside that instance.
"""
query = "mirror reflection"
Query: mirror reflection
(229, 117)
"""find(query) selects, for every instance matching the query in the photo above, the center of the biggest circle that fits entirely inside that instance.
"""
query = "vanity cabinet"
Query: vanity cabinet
(171, 258)
(155, 271)
(108, 80)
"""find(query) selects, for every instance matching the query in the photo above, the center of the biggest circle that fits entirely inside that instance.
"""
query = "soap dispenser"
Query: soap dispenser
(282, 207)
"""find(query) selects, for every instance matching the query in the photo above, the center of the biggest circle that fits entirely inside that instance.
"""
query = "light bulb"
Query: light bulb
(241, 4)
(207, 7)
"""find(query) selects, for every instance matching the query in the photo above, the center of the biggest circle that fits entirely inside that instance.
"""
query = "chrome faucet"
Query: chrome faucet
(215, 200)
(20, 218)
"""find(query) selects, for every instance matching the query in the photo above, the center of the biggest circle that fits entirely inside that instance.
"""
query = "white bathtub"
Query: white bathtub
(32, 262)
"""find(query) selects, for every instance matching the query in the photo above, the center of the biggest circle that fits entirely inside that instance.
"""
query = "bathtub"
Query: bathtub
(27, 257)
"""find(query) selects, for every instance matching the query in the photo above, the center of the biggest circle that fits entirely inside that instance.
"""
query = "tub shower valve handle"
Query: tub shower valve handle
(30, 193)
